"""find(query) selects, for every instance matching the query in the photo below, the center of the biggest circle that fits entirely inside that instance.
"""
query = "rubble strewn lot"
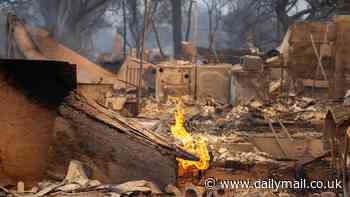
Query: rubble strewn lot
(253, 140)
(243, 133)
(93, 132)
(225, 125)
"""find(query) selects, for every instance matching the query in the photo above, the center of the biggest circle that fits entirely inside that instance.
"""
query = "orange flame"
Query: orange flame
(197, 147)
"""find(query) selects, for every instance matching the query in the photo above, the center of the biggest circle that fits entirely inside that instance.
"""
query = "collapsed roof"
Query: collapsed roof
(28, 42)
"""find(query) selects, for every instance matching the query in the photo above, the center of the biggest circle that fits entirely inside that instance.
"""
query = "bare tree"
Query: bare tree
(176, 6)
(215, 14)
(154, 27)
(132, 25)
(268, 20)
(73, 22)
(189, 20)
(134, 15)
(288, 11)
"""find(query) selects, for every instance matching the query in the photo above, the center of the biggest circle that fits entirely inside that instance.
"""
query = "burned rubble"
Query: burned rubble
(72, 128)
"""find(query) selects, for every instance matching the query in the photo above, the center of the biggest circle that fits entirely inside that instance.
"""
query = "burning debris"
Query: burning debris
(195, 146)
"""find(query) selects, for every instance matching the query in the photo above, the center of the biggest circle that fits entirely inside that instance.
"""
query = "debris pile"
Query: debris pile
(252, 133)
(195, 146)
(300, 111)
(214, 117)
(95, 122)
(77, 184)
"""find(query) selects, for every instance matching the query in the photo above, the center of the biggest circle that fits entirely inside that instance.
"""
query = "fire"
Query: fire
(197, 146)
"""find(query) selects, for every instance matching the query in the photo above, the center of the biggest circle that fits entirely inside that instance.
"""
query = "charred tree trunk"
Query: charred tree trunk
(282, 15)
(156, 34)
(155, 30)
(211, 33)
(189, 21)
(177, 26)
(124, 28)
(134, 24)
